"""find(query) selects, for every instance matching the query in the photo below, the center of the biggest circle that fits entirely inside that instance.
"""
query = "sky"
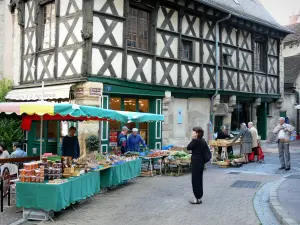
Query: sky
(281, 10)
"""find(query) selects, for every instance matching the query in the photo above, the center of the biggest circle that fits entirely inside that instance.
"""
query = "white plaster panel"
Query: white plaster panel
(260, 81)
(275, 83)
(241, 40)
(50, 66)
(185, 76)
(76, 62)
(98, 62)
(272, 68)
(206, 78)
(291, 50)
(99, 31)
(161, 46)
(197, 51)
(26, 42)
(63, 31)
(28, 6)
(234, 80)
(131, 68)
(272, 46)
(160, 73)
(27, 68)
(119, 5)
(206, 34)
(185, 26)
(16, 70)
(206, 53)
(161, 19)
(65, 4)
(232, 36)
(249, 61)
(243, 84)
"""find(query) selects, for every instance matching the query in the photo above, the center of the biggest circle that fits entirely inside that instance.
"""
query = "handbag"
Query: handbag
(207, 154)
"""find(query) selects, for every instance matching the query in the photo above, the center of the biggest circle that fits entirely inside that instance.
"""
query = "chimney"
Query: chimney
(295, 18)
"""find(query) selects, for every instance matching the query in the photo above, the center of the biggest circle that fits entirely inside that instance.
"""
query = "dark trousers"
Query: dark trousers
(255, 150)
(197, 177)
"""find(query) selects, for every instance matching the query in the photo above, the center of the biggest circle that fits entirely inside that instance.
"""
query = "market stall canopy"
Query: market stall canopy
(33, 94)
(61, 111)
(141, 117)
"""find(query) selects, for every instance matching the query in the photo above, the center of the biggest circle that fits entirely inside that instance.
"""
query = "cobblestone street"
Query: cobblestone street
(165, 199)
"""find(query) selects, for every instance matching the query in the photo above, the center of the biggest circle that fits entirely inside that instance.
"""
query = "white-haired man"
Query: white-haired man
(254, 135)
(283, 132)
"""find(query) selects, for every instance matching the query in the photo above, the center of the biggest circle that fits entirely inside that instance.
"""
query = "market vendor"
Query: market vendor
(223, 134)
(135, 140)
(70, 145)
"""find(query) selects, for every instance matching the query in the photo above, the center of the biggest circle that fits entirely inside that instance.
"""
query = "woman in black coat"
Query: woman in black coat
(197, 146)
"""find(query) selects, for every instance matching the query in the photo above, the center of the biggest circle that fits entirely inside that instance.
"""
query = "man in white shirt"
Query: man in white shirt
(283, 132)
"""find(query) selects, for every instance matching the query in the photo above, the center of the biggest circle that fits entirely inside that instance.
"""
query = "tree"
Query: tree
(5, 87)
(10, 128)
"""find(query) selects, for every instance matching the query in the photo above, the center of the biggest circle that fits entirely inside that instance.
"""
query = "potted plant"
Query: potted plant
(92, 144)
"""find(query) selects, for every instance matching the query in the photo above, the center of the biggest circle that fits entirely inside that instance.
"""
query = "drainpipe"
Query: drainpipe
(298, 112)
(217, 32)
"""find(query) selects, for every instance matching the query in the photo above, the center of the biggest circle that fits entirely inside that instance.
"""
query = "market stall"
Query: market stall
(54, 183)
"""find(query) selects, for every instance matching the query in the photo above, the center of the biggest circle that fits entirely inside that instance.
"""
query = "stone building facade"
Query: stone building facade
(197, 62)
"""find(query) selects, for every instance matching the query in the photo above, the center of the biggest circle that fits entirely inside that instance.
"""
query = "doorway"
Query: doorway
(218, 123)
(262, 121)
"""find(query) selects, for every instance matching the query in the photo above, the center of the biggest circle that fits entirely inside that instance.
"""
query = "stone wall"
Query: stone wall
(16, 49)
(1, 36)
(195, 111)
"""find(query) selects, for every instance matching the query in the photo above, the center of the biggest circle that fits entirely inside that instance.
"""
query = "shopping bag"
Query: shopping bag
(260, 153)
(281, 134)
(293, 136)
(251, 157)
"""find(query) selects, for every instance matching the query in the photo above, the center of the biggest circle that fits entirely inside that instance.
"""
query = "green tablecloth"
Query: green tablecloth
(57, 196)
(117, 174)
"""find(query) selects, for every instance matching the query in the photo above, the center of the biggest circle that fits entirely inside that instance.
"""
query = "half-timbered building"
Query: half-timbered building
(194, 61)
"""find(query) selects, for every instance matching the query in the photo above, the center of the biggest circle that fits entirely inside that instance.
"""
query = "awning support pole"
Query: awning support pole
(41, 127)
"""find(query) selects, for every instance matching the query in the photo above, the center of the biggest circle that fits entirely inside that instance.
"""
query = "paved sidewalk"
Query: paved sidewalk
(289, 197)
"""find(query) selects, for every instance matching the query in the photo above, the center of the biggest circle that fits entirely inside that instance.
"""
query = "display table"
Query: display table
(224, 144)
(56, 197)
(151, 161)
(115, 175)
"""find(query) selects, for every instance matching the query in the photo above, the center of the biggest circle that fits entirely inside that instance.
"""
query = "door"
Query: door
(218, 123)
(262, 120)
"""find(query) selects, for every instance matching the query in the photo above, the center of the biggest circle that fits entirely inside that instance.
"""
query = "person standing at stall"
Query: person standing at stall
(70, 144)
(246, 140)
(122, 140)
(198, 148)
(254, 135)
(135, 140)
(223, 134)
(3, 152)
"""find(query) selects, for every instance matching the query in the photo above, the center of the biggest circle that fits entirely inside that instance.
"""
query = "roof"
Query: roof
(251, 10)
(296, 29)
(291, 68)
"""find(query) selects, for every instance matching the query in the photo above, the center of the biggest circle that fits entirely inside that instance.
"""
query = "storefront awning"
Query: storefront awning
(33, 94)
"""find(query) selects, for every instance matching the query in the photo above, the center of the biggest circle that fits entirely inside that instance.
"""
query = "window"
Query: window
(187, 50)
(259, 57)
(226, 59)
(49, 25)
(115, 104)
(138, 29)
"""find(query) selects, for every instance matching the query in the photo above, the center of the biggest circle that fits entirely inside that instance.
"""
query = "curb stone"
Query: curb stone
(280, 213)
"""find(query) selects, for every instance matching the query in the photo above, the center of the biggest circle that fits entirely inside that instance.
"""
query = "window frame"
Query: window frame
(41, 26)
(262, 56)
(225, 59)
(191, 56)
(149, 30)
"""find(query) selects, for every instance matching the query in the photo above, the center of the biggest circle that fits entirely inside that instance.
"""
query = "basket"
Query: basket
(185, 161)
(225, 163)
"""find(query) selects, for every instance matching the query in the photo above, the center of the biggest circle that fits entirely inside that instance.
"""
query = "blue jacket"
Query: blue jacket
(133, 143)
(70, 147)
(122, 142)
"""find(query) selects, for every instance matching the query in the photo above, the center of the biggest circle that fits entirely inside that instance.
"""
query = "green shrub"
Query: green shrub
(92, 143)
(5, 87)
(10, 131)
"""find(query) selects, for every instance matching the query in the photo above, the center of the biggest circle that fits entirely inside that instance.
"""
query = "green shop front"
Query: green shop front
(122, 98)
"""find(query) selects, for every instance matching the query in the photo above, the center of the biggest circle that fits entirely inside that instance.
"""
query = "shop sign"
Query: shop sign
(179, 116)
(79, 91)
(113, 139)
(95, 91)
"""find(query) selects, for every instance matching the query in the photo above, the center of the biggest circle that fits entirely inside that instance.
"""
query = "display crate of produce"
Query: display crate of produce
(224, 164)
(148, 173)
(185, 161)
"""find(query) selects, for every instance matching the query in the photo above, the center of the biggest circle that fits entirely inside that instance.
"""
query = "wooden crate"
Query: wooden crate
(148, 173)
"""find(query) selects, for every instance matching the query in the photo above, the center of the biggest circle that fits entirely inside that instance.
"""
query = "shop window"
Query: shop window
(38, 130)
(115, 104)
(138, 29)
(52, 131)
(144, 127)
(49, 25)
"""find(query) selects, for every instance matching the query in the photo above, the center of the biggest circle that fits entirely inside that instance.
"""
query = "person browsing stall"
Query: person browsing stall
(3, 152)
(135, 140)
(122, 140)
(17, 151)
(70, 144)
